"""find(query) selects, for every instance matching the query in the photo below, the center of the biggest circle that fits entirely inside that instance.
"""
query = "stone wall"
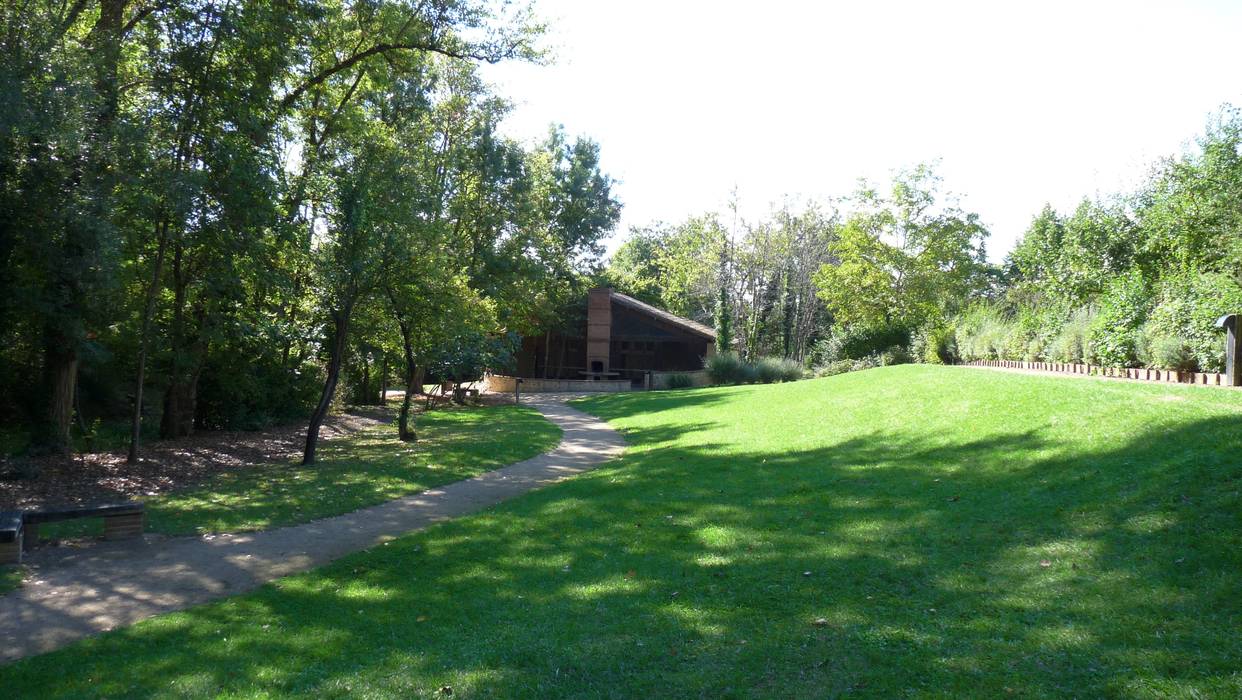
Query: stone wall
(659, 380)
(499, 383)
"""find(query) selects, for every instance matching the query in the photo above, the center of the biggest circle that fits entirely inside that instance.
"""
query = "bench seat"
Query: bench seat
(11, 531)
(19, 530)
(53, 515)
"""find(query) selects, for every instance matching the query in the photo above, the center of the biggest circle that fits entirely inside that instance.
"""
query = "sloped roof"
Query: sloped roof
(673, 319)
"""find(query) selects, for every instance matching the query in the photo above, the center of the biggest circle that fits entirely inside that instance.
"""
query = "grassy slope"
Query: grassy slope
(954, 531)
(354, 472)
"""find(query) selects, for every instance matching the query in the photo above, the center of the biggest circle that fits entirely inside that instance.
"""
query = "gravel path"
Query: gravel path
(76, 593)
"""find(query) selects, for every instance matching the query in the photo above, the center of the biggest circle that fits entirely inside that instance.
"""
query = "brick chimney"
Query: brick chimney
(599, 328)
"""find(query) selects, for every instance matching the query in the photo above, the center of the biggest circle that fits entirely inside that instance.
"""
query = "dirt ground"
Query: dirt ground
(166, 465)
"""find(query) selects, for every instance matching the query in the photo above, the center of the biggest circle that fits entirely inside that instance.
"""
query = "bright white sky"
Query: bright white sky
(1022, 103)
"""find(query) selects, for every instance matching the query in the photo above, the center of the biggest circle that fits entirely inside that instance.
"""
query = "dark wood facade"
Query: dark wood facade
(620, 337)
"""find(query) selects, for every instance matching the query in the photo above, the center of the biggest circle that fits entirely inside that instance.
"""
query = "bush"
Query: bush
(1165, 351)
(776, 369)
(843, 366)
(857, 342)
(934, 344)
(726, 368)
(896, 355)
(1183, 321)
(981, 333)
(792, 370)
(678, 381)
(1112, 339)
(1069, 344)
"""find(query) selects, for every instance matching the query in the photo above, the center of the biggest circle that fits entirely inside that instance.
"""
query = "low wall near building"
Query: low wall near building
(1171, 376)
(499, 383)
(659, 380)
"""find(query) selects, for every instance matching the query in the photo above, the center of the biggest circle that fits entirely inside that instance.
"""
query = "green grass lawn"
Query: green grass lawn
(904, 531)
(353, 472)
(10, 578)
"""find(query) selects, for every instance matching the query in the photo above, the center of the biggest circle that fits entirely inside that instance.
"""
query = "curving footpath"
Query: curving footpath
(113, 584)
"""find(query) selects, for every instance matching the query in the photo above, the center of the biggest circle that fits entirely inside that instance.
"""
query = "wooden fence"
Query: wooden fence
(1171, 376)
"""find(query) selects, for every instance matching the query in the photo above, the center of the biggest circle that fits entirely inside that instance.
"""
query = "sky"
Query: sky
(1019, 103)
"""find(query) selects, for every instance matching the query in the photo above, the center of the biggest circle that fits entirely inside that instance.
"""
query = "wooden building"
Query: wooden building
(620, 338)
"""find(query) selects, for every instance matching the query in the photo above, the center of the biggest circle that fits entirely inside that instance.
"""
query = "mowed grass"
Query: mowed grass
(900, 532)
(352, 472)
(10, 578)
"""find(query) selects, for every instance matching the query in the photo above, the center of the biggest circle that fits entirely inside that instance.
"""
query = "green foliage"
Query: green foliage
(858, 341)
(1181, 331)
(730, 368)
(769, 370)
(1069, 344)
(467, 355)
(982, 333)
(1112, 339)
(905, 258)
(727, 368)
(724, 323)
(10, 578)
(679, 381)
(1164, 351)
(934, 344)
(268, 182)
(1139, 278)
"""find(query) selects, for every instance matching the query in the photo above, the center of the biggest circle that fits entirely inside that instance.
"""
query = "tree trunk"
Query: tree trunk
(340, 323)
(560, 367)
(383, 395)
(60, 377)
(547, 352)
(172, 420)
(413, 383)
(135, 426)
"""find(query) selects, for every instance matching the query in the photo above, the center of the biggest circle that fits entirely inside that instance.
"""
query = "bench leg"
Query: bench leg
(11, 552)
(30, 536)
(119, 527)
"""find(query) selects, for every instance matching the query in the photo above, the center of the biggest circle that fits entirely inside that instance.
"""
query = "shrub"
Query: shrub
(726, 368)
(767, 370)
(1165, 351)
(856, 342)
(679, 381)
(934, 344)
(775, 369)
(792, 370)
(1112, 338)
(1185, 312)
(981, 333)
(896, 355)
(843, 366)
(1069, 344)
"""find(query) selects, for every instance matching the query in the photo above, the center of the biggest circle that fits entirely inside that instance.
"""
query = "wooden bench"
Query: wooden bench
(19, 530)
(10, 537)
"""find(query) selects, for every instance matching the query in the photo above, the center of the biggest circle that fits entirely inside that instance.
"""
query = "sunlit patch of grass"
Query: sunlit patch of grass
(10, 578)
(353, 472)
(832, 537)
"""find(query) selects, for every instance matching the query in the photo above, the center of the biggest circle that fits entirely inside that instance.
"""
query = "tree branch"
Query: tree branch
(428, 46)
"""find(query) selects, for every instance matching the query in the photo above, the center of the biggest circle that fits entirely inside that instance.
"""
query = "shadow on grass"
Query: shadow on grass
(885, 564)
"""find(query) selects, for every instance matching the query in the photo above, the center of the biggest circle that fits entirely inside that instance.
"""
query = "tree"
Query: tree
(903, 258)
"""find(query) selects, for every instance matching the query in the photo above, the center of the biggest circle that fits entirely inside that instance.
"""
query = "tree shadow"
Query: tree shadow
(885, 564)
